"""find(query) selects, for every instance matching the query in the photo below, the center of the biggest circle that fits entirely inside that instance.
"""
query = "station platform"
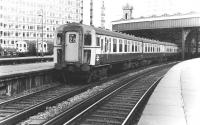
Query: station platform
(25, 68)
(176, 99)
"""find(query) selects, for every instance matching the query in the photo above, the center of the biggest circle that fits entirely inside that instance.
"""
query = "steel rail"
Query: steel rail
(71, 114)
(22, 115)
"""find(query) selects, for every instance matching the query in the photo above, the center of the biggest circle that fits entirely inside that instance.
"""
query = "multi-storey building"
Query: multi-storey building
(35, 20)
(94, 13)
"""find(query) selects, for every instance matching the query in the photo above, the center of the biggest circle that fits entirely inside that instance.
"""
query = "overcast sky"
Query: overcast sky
(148, 7)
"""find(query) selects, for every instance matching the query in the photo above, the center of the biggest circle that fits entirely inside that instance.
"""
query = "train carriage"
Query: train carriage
(89, 52)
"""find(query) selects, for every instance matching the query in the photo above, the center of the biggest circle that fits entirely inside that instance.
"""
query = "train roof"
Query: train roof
(106, 32)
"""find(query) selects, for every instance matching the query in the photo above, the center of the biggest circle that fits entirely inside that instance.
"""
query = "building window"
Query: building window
(5, 34)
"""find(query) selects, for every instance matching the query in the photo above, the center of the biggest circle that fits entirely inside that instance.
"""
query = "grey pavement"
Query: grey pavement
(176, 99)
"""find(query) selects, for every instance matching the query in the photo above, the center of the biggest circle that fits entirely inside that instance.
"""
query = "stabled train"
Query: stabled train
(88, 53)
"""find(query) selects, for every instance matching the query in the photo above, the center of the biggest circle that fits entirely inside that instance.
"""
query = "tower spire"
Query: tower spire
(103, 15)
(127, 12)
(91, 12)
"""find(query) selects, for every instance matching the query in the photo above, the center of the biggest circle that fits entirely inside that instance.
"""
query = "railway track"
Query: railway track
(114, 105)
(18, 109)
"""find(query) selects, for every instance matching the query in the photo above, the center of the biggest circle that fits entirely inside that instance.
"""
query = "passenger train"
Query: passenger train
(89, 53)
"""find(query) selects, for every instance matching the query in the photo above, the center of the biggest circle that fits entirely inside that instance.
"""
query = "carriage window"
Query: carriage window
(97, 41)
(120, 45)
(59, 36)
(153, 48)
(136, 48)
(129, 46)
(72, 38)
(114, 45)
(87, 56)
(125, 45)
(106, 44)
(87, 39)
(133, 47)
(145, 47)
(101, 44)
(109, 45)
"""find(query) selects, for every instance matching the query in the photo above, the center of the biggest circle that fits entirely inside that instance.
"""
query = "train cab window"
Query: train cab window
(87, 39)
(125, 45)
(97, 41)
(120, 45)
(72, 38)
(59, 38)
(114, 45)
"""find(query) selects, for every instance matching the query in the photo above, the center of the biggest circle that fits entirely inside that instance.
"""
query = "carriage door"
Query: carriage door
(71, 47)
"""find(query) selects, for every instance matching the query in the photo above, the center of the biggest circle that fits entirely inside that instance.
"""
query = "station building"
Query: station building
(33, 20)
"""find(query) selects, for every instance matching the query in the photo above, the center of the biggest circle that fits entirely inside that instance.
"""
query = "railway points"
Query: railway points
(176, 99)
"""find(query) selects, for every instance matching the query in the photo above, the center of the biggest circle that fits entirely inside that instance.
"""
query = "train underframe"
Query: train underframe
(85, 73)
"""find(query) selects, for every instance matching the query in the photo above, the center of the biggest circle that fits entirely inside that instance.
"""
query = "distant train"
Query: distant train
(89, 52)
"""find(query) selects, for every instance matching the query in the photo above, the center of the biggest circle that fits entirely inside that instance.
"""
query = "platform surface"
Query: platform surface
(24, 68)
(176, 99)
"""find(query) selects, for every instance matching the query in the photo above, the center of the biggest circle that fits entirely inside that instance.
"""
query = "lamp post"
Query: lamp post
(42, 30)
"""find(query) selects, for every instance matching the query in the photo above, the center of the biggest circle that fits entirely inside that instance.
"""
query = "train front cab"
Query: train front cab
(74, 50)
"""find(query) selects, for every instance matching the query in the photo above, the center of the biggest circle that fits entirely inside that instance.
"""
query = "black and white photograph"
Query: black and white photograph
(99, 62)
